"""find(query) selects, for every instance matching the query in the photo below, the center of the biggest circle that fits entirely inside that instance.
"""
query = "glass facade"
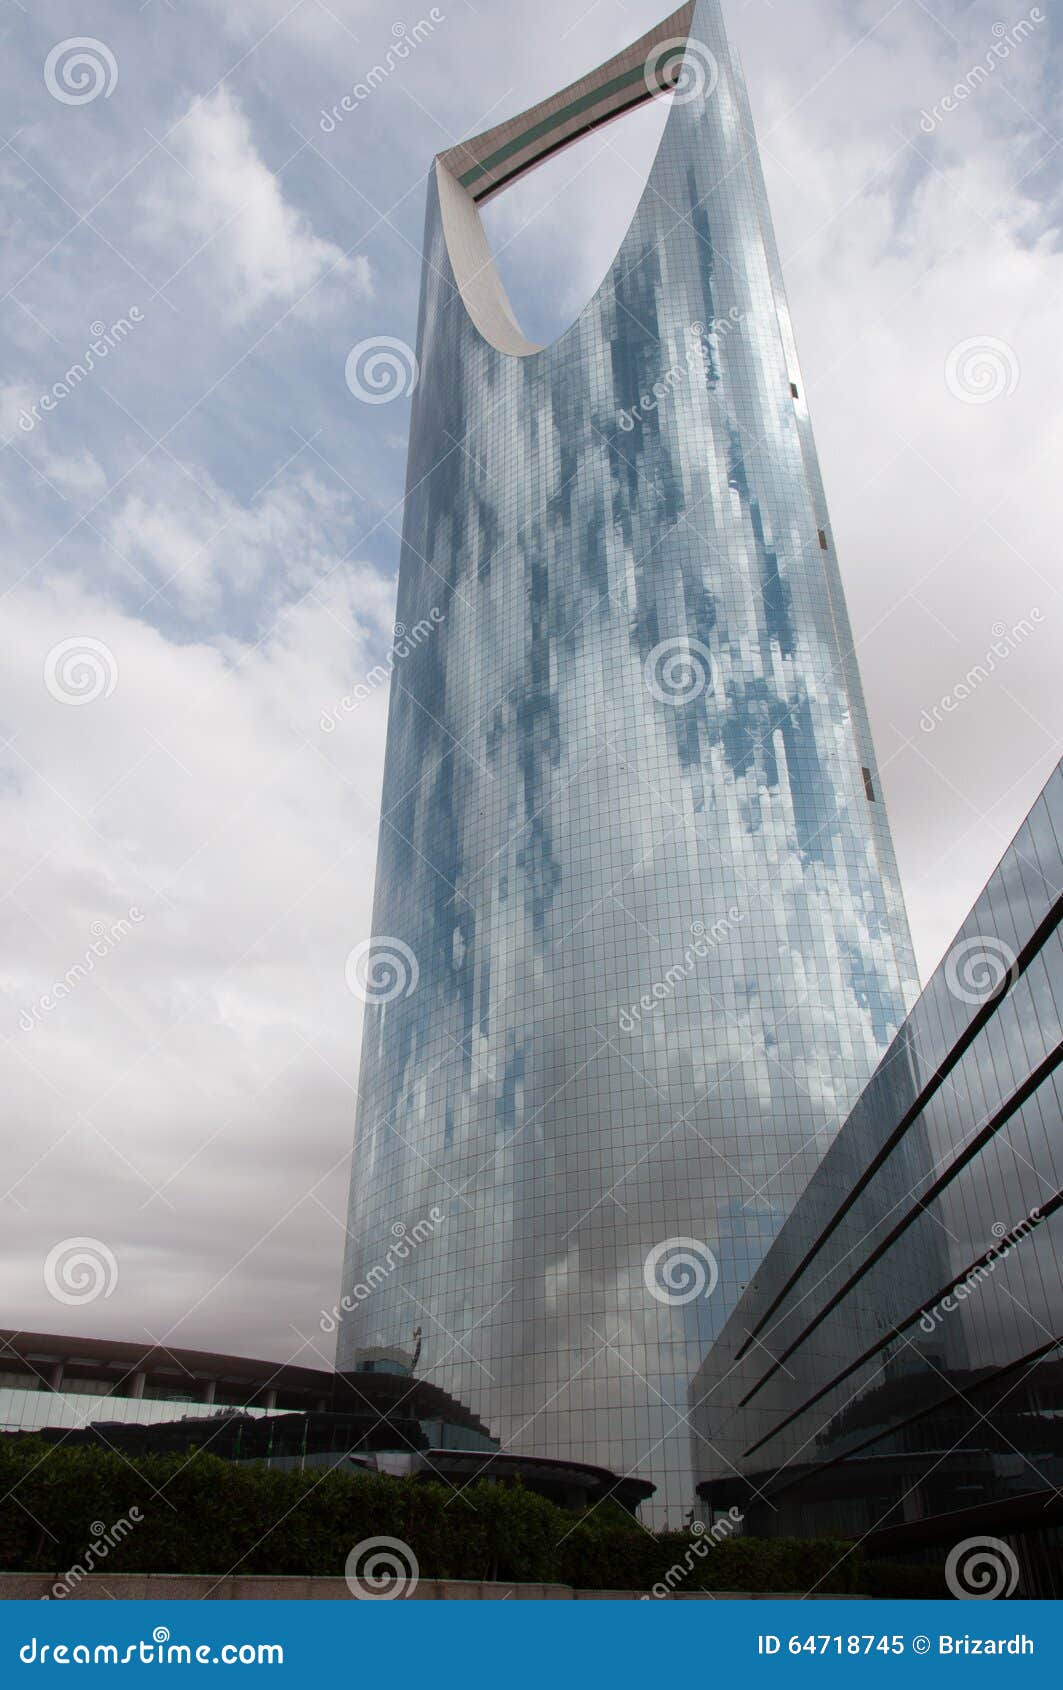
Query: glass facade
(893, 1371)
(54, 1384)
(138, 1399)
(25, 1409)
(638, 936)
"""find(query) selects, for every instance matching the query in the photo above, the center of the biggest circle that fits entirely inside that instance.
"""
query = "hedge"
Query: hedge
(199, 1514)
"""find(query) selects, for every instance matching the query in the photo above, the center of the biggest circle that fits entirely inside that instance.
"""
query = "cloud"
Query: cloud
(210, 1054)
(225, 211)
(75, 474)
(181, 536)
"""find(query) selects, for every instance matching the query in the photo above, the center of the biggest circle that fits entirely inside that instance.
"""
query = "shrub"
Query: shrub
(895, 1580)
(199, 1514)
(619, 1554)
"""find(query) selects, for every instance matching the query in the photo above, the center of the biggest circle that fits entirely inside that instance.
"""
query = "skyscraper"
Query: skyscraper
(638, 937)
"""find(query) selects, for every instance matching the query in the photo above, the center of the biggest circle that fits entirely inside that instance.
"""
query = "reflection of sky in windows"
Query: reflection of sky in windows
(639, 713)
(23, 1410)
(871, 1331)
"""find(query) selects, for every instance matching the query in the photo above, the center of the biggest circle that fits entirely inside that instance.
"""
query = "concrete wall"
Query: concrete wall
(200, 1587)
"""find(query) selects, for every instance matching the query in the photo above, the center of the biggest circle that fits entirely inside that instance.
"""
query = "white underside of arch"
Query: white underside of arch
(475, 170)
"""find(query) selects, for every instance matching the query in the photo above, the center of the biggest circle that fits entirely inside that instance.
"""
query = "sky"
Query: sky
(200, 538)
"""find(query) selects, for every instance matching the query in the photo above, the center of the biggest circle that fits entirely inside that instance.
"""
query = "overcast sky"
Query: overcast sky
(210, 519)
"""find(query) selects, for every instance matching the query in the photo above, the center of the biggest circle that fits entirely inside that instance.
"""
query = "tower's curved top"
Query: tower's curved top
(475, 170)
